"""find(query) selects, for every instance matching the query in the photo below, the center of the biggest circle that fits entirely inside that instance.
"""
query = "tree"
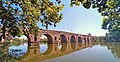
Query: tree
(110, 10)
(111, 21)
(18, 15)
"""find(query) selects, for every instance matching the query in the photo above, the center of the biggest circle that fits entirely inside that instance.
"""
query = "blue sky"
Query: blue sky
(77, 19)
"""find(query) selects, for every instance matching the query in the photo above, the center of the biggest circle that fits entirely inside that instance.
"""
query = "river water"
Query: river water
(60, 52)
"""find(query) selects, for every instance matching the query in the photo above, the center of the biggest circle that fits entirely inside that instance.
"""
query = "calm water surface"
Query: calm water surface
(62, 52)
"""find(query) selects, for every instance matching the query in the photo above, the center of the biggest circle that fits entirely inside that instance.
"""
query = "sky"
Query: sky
(77, 19)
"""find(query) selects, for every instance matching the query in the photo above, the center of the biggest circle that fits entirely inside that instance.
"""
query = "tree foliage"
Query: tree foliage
(111, 20)
(17, 15)
(110, 10)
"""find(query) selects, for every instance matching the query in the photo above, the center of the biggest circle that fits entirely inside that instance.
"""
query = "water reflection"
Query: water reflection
(4, 54)
(44, 51)
(49, 49)
(53, 51)
(64, 46)
(43, 47)
(114, 47)
(18, 49)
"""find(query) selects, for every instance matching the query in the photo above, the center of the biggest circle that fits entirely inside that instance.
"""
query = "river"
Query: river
(60, 52)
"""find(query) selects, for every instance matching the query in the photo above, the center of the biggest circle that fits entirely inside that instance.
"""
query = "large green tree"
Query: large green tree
(18, 15)
(110, 10)
(111, 20)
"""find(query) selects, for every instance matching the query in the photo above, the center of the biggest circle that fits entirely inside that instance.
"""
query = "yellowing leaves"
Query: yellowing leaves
(104, 19)
(111, 4)
(49, 9)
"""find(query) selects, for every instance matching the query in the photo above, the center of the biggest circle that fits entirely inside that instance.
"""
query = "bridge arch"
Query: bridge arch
(88, 39)
(73, 38)
(85, 40)
(55, 38)
(49, 37)
(79, 39)
(73, 42)
(28, 37)
(63, 38)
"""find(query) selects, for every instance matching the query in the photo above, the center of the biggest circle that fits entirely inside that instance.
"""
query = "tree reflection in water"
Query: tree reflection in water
(115, 48)
(16, 53)
(4, 54)
(13, 55)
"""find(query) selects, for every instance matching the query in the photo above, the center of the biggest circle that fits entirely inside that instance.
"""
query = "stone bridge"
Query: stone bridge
(33, 53)
(57, 36)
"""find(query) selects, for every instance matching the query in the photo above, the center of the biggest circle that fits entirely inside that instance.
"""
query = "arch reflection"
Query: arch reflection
(49, 49)
(63, 47)
(33, 52)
